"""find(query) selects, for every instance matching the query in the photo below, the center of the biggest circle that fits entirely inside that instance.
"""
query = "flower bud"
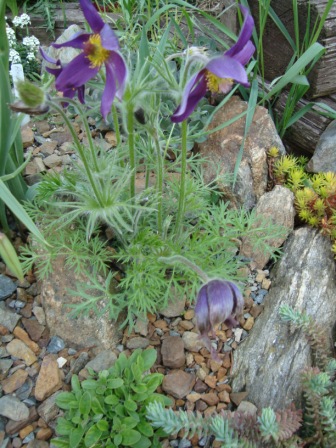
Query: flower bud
(218, 301)
(30, 94)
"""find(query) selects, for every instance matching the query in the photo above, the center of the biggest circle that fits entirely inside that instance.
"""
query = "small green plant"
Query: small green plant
(269, 428)
(109, 408)
(315, 194)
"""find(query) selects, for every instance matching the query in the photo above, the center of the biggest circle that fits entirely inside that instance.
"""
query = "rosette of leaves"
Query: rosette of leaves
(109, 409)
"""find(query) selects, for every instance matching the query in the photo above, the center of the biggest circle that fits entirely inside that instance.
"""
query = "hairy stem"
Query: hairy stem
(181, 204)
(180, 259)
(131, 146)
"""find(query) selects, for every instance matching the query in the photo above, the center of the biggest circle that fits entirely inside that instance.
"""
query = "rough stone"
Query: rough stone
(20, 350)
(80, 332)
(39, 314)
(38, 444)
(7, 287)
(247, 407)
(48, 410)
(192, 341)
(12, 408)
(178, 383)
(324, 158)
(56, 344)
(48, 148)
(174, 308)
(34, 329)
(8, 318)
(172, 351)
(268, 363)
(103, 361)
(49, 378)
(14, 381)
(137, 342)
(276, 206)
(65, 54)
(21, 334)
(52, 161)
(222, 148)
(14, 426)
(27, 136)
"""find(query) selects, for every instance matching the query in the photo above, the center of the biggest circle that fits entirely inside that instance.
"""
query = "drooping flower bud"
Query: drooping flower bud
(218, 301)
(32, 99)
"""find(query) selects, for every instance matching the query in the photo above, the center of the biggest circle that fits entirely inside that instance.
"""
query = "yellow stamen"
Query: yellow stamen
(216, 84)
(96, 53)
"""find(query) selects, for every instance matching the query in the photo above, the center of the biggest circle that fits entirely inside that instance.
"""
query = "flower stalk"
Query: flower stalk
(181, 204)
(131, 146)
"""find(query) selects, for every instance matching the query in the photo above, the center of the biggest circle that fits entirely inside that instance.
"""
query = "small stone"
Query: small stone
(111, 139)
(34, 329)
(174, 308)
(5, 365)
(13, 409)
(211, 399)
(201, 374)
(20, 350)
(48, 410)
(178, 383)
(103, 361)
(25, 390)
(8, 318)
(214, 365)
(39, 314)
(14, 381)
(211, 381)
(189, 359)
(249, 323)
(172, 351)
(55, 345)
(27, 136)
(137, 342)
(224, 396)
(61, 362)
(186, 325)
(7, 287)
(28, 438)
(21, 334)
(248, 408)
(200, 387)
(49, 378)
(266, 283)
(53, 161)
(16, 442)
(238, 397)
(44, 434)
(48, 148)
(238, 334)
(23, 433)
(189, 314)
(192, 341)
(201, 406)
(141, 326)
(193, 397)
(14, 427)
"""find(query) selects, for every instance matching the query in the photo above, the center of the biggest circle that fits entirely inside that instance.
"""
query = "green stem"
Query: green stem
(180, 259)
(116, 124)
(181, 204)
(159, 182)
(82, 154)
(131, 146)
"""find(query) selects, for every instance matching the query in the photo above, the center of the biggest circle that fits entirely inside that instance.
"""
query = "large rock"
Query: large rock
(277, 206)
(222, 147)
(269, 362)
(324, 158)
(79, 332)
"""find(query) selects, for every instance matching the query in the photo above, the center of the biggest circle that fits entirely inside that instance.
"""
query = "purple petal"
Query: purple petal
(76, 42)
(92, 16)
(245, 54)
(76, 73)
(227, 67)
(194, 91)
(237, 298)
(49, 58)
(202, 311)
(220, 298)
(109, 91)
(119, 68)
(81, 94)
(108, 38)
(245, 33)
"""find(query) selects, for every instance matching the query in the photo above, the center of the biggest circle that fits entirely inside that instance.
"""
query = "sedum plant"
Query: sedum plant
(313, 427)
(108, 409)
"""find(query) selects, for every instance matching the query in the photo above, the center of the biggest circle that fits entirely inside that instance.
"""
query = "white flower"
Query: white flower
(22, 20)
(31, 42)
(14, 56)
(11, 37)
(31, 56)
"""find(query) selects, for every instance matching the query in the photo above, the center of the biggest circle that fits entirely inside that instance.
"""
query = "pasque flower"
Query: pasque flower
(219, 73)
(100, 48)
(218, 301)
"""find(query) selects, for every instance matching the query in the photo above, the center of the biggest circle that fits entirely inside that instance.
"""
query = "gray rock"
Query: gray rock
(222, 148)
(80, 332)
(13, 409)
(137, 342)
(103, 361)
(5, 365)
(174, 308)
(269, 362)
(247, 407)
(65, 54)
(8, 318)
(277, 206)
(324, 158)
(25, 390)
(172, 351)
(48, 410)
(7, 287)
(192, 341)
(56, 344)
(38, 444)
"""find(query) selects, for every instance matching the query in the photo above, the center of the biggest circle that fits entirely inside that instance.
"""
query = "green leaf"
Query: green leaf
(85, 403)
(64, 426)
(103, 425)
(130, 422)
(130, 405)
(117, 439)
(145, 428)
(75, 384)
(144, 442)
(66, 400)
(139, 388)
(120, 410)
(62, 443)
(92, 436)
(153, 381)
(130, 437)
(115, 383)
(75, 437)
(96, 406)
(100, 390)
(89, 384)
(149, 358)
(111, 400)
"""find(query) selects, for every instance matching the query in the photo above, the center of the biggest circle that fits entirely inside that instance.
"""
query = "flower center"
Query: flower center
(216, 84)
(95, 52)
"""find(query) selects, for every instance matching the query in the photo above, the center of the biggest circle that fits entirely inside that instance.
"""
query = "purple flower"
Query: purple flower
(100, 48)
(70, 92)
(218, 301)
(220, 73)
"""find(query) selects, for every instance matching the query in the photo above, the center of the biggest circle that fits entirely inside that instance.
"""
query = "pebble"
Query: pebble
(172, 351)
(137, 342)
(178, 383)
(20, 350)
(8, 318)
(12, 408)
(103, 361)
(49, 378)
(192, 341)
(7, 287)
(55, 345)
